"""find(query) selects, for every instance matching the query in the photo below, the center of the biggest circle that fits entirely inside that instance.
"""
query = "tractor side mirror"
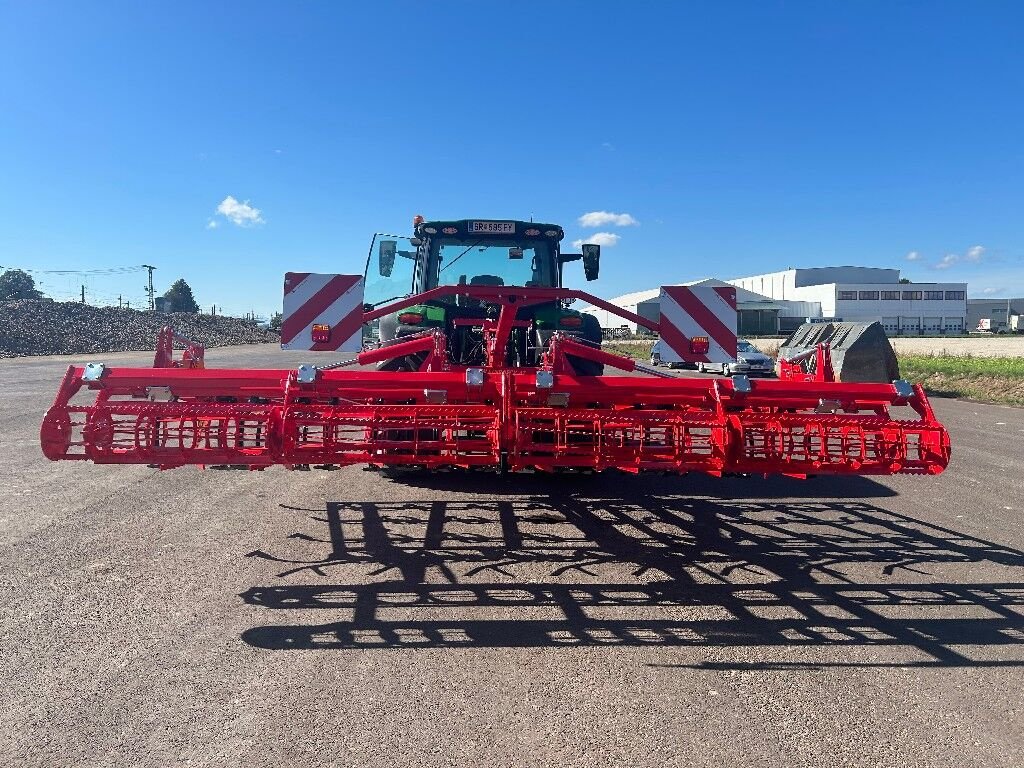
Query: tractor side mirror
(515, 253)
(591, 260)
(386, 257)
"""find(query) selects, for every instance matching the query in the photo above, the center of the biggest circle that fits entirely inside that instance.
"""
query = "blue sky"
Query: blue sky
(742, 137)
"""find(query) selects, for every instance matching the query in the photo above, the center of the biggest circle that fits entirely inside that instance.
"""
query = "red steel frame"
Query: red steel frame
(497, 416)
(794, 368)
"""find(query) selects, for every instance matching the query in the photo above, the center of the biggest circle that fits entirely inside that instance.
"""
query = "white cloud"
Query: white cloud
(972, 254)
(604, 239)
(604, 218)
(988, 291)
(212, 224)
(241, 214)
(913, 256)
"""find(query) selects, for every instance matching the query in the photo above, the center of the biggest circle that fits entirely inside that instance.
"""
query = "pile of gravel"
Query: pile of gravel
(48, 327)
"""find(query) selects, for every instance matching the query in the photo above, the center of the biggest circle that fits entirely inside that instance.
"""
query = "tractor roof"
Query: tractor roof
(491, 227)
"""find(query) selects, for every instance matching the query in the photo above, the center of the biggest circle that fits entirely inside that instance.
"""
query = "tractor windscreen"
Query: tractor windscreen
(492, 261)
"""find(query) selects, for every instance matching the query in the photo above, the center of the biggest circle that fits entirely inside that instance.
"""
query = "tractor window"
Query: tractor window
(487, 263)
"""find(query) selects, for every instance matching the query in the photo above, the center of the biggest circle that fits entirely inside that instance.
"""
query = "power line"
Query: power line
(105, 271)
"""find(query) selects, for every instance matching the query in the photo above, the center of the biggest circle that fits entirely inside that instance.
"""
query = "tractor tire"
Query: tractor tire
(405, 363)
(592, 334)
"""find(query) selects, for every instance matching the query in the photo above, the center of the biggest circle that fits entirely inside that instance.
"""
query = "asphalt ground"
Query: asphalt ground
(348, 618)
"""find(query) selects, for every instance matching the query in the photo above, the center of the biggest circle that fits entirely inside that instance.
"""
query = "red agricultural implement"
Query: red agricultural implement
(479, 374)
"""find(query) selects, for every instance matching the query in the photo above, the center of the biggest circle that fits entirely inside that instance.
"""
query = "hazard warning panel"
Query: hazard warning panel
(322, 313)
(698, 324)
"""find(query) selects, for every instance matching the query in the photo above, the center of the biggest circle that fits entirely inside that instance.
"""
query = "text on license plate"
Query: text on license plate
(493, 227)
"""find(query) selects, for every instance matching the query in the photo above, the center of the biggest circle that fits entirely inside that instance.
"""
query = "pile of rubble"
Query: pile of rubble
(47, 327)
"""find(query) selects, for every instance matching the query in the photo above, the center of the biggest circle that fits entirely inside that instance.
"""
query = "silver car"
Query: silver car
(749, 361)
(656, 354)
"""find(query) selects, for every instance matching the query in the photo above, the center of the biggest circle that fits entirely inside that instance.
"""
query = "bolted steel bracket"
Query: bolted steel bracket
(93, 371)
(741, 384)
(903, 388)
(306, 374)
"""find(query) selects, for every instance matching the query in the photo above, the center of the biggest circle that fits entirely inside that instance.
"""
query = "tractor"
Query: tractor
(475, 253)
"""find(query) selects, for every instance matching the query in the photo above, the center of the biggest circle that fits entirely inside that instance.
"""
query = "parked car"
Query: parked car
(656, 354)
(749, 361)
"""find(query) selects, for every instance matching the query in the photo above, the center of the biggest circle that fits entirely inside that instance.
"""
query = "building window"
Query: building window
(847, 295)
(911, 295)
(933, 295)
(954, 295)
(869, 295)
(890, 295)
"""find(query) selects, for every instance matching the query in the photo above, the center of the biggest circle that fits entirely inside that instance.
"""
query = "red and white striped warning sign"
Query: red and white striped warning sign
(698, 323)
(322, 313)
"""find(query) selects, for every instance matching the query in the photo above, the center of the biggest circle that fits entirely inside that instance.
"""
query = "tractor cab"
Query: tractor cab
(471, 252)
(476, 254)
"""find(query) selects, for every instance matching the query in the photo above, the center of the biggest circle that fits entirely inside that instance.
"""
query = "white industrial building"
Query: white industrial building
(863, 294)
(780, 301)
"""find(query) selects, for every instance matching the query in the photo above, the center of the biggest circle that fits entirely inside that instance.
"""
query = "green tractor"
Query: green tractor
(478, 253)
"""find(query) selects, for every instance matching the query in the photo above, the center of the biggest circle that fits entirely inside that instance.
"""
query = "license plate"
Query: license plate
(492, 227)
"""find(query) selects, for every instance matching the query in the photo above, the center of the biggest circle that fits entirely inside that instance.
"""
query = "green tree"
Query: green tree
(275, 321)
(179, 297)
(18, 284)
(904, 280)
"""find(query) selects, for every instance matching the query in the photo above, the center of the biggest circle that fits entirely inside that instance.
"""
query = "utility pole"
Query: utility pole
(83, 294)
(119, 301)
(149, 288)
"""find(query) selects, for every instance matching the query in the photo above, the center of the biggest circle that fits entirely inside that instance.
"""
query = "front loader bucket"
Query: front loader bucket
(859, 351)
(497, 419)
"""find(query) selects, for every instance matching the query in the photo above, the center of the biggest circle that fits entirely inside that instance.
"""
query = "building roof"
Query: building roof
(804, 277)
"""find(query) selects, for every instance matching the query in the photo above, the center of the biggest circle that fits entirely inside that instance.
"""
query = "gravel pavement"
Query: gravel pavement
(350, 618)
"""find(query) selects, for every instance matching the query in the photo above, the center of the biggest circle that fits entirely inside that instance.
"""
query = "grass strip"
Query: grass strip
(639, 350)
(985, 379)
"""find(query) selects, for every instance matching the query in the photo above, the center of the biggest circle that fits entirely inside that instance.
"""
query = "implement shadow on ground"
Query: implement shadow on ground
(634, 563)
